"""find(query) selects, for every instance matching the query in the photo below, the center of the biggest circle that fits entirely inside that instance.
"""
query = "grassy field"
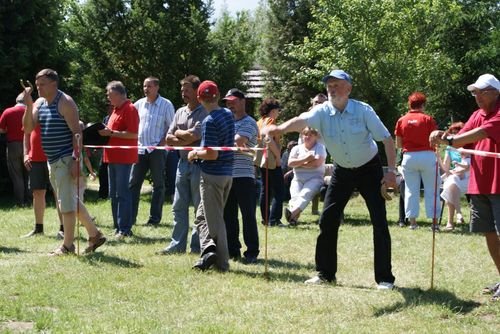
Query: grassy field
(126, 288)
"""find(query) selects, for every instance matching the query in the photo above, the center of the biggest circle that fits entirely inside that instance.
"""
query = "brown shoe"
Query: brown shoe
(63, 250)
(95, 242)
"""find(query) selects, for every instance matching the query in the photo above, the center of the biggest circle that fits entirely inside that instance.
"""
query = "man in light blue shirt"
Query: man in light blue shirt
(155, 115)
(350, 129)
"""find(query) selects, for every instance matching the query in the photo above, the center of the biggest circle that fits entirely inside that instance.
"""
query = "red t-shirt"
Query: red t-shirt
(36, 152)
(12, 121)
(485, 171)
(414, 128)
(124, 118)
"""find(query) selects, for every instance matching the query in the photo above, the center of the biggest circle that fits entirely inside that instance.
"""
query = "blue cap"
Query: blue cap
(337, 74)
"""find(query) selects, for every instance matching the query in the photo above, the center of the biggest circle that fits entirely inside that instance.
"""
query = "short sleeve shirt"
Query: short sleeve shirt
(349, 135)
(243, 164)
(185, 119)
(485, 171)
(218, 131)
(414, 129)
(123, 118)
(300, 151)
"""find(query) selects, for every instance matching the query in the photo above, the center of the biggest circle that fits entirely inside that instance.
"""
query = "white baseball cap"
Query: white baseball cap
(484, 81)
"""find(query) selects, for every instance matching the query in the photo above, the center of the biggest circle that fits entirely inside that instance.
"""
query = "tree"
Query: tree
(130, 40)
(392, 48)
(31, 38)
(233, 47)
(287, 24)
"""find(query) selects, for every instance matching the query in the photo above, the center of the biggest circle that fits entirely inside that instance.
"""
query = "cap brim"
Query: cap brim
(327, 77)
(230, 98)
(475, 86)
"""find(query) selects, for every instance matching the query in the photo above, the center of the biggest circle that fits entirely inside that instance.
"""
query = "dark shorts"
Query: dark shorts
(485, 213)
(39, 175)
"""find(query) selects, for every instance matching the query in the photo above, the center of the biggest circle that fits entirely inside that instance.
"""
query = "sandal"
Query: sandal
(449, 227)
(95, 242)
(63, 250)
(491, 289)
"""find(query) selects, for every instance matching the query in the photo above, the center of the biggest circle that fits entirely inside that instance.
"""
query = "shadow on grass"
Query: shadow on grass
(9, 250)
(99, 258)
(285, 276)
(416, 297)
(135, 239)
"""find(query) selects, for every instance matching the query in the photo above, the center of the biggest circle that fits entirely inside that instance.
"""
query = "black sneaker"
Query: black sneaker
(206, 261)
(251, 259)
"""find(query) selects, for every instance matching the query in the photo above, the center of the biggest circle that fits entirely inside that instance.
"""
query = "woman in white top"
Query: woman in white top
(308, 163)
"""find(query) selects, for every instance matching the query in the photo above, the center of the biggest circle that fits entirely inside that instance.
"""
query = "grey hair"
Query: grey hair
(20, 98)
(117, 86)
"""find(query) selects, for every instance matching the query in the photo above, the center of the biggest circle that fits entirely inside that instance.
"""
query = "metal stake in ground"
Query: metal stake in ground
(77, 136)
(434, 218)
(266, 198)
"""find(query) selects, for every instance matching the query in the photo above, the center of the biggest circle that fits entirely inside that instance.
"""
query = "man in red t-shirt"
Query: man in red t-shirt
(35, 162)
(122, 128)
(482, 133)
(11, 123)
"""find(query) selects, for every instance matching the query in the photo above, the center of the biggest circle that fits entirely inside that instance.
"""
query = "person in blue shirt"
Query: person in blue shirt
(217, 130)
(350, 129)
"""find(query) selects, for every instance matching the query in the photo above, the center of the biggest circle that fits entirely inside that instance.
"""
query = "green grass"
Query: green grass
(127, 288)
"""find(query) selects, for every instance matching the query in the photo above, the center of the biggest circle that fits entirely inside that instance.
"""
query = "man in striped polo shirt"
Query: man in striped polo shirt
(155, 115)
(243, 189)
(216, 178)
(58, 116)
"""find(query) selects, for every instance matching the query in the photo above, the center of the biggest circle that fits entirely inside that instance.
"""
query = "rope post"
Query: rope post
(434, 217)
(266, 213)
(77, 136)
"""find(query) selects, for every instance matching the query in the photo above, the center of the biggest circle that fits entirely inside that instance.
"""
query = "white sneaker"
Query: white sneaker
(385, 286)
(316, 280)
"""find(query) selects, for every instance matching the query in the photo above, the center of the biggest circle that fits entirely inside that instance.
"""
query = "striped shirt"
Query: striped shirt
(243, 164)
(154, 120)
(218, 130)
(57, 137)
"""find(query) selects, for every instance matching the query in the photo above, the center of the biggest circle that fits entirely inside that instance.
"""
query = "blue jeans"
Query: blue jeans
(276, 192)
(367, 180)
(187, 190)
(154, 161)
(242, 194)
(121, 197)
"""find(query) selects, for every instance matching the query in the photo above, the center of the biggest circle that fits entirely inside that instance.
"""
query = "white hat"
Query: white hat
(484, 81)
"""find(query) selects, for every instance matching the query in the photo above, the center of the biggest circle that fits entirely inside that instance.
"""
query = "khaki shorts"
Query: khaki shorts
(63, 184)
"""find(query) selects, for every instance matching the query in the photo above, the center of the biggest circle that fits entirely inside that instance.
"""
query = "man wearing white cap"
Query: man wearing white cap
(482, 133)
(350, 129)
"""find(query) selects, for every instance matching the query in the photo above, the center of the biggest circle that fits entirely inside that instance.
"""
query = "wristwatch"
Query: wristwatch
(392, 170)
(450, 140)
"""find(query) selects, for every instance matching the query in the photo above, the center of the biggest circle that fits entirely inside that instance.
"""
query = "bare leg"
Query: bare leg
(451, 215)
(69, 220)
(39, 205)
(493, 243)
(85, 218)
